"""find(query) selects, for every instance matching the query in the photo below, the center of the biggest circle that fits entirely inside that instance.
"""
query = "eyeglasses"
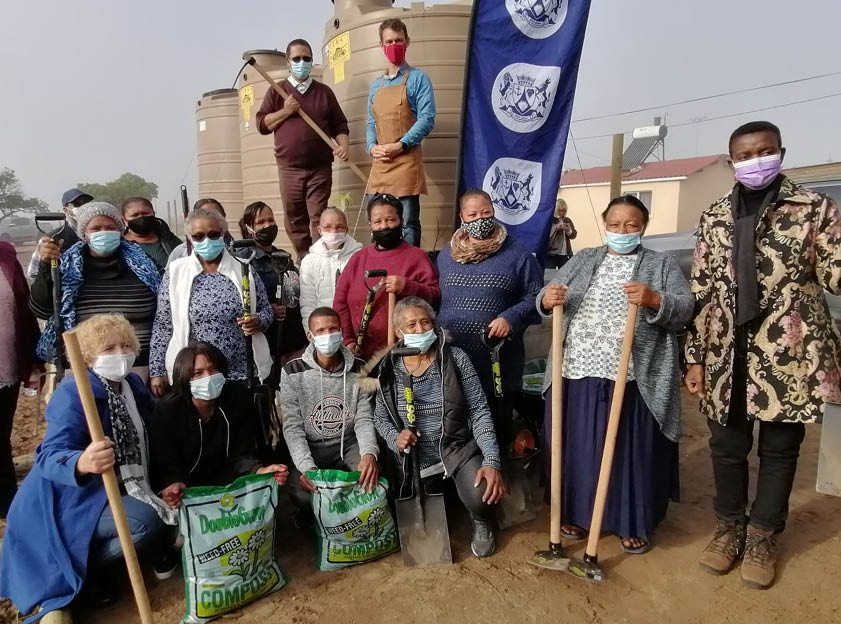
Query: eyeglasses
(200, 236)
(298, 59)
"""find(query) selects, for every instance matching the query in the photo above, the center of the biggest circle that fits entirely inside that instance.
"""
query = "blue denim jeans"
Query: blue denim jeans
(410, 215)
(143, 521)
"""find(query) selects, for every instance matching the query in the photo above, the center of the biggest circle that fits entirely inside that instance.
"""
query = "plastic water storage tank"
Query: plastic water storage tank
(218, 150)
(259, 168)
(438, 35)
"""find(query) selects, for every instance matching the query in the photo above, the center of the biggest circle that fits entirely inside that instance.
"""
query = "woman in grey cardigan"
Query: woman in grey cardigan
(595, 288)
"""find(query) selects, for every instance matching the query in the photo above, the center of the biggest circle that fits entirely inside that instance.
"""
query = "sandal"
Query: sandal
(573, 536)
(635, 550)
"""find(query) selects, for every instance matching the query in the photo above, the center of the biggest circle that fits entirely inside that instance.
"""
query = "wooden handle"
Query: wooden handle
(612, 431)
(112, 487)
(303, 115)
(557, 424)
(392, 301)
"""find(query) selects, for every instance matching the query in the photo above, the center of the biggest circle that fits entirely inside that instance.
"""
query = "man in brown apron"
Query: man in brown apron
(304, 161)
(401, 112)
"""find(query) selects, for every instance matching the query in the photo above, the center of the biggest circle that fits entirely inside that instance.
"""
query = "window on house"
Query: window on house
(645, 198)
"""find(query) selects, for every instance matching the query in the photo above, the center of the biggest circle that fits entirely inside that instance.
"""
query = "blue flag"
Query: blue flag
(522, 68)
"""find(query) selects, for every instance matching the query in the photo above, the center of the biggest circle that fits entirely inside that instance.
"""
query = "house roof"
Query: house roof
(678, 168)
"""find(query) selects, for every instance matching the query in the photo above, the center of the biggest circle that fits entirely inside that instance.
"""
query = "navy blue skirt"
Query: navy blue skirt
(645, 466)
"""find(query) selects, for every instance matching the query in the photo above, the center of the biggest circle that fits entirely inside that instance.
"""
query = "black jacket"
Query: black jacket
(169, 241)
(186, 450)
(457, 443)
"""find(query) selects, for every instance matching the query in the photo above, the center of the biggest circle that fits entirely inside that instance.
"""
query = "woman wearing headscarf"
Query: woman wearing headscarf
(488, 280)
(410, 273)
(101, 274)
(61, 535)
(595, 288)
(201, 299)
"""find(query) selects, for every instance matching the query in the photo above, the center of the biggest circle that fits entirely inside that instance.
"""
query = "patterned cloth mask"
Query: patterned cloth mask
(479, 228)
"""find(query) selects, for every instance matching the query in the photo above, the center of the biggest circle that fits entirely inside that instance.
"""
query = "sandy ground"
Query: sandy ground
(665, 585)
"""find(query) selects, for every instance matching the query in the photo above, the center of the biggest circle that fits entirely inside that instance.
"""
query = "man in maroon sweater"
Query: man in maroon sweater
(304, 160)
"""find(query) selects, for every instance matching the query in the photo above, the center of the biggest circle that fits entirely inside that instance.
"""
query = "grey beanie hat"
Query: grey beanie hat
(84, 215)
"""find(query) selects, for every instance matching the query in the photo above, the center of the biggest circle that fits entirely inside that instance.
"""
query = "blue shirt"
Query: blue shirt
(421, 102)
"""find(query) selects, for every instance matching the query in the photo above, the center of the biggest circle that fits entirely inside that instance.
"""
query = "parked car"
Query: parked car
(18, 229)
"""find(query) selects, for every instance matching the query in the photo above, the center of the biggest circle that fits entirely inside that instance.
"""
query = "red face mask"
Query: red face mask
(395, 53)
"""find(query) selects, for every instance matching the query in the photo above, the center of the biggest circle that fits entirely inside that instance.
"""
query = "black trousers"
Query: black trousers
(8, 480)
(778, 449)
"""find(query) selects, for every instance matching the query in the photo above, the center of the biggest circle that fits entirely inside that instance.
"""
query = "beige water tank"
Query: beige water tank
(259, 168)
(438, 36)
(218, 150)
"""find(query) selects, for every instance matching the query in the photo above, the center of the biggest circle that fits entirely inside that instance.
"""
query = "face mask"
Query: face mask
(266, 235)
(480, 228)
(333, 240)
(114, 367)
(143, 225)
(420, 341)
(104, 243)
(207, 388)
(757, 173)
(209, 248)
(301, 69)
(388, 239)
(327, 344)
(623, 243)
(395, 53)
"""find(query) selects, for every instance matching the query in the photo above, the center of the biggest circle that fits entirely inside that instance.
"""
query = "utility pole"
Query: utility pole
(616, 165)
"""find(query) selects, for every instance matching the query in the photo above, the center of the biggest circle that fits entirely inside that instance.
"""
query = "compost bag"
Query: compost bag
(352, 525)
(228, 548)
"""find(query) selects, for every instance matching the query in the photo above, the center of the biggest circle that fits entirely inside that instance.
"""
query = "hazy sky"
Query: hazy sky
(92, 89)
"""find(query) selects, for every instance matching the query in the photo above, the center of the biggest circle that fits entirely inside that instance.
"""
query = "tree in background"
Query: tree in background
(115, 191)
(12, 199)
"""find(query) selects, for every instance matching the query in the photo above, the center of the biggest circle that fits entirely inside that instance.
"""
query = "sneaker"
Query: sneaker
(304, 518)
(727, 545)
(760, 559)
(483, 542)
(100, 589)
(167, 564)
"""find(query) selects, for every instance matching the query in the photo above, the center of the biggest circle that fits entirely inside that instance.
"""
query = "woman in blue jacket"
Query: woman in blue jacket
(61, 534)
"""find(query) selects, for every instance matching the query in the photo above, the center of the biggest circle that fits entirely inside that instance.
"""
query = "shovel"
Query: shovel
(588, 568)
(421, 519)
(369, 303)
(281, 261)
(554, 558)
(55, 276)
(513, 507)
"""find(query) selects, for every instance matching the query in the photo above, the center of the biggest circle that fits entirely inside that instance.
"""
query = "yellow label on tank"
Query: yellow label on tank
(246, 101)
(338, 50)
(338, 72)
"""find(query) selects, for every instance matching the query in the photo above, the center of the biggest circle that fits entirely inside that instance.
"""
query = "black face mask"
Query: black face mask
(388, 239)
(143, 225)
(266, 235)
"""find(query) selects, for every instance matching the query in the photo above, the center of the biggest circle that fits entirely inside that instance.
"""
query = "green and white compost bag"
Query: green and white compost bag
(352, 525)
(228, 548)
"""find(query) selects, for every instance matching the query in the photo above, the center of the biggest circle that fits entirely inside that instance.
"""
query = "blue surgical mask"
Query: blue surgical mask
(208, 388)
(328, 344)
(105, 242)
(420, 341)
(301, 69)
(623, 243)
(209, 248)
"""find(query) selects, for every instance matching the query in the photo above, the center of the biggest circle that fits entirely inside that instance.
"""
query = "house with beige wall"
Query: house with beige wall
(675, 191)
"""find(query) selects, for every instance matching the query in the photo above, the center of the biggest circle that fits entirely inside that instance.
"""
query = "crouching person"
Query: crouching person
(455, 433)
(200, 431)
(61, 537)
(327, 423)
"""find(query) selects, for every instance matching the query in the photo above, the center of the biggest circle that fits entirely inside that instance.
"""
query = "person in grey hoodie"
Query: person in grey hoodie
(327, 423)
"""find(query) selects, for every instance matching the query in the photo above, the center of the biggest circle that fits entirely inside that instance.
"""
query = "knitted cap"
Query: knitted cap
(84, 215)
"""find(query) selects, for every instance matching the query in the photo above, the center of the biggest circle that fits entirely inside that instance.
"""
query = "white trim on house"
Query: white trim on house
(626, 182)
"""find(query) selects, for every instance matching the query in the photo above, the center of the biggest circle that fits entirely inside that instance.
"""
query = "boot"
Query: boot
(727, 545)
(760, 559)
(483, 542)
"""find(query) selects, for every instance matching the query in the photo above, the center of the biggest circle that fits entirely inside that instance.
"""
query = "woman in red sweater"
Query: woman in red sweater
(410, 273)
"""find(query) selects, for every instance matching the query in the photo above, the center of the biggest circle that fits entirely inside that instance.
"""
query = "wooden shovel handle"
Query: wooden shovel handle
(109, 478)
(303, 115)
(392, 301)
(557, 424)
(612, 431)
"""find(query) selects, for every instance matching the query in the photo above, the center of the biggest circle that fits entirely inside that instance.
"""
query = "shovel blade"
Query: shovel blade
(424, 534)
(514, 509)
(550, 560)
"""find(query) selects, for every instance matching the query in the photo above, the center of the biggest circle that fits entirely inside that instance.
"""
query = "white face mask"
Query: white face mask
(114, 367)
(333, 240)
